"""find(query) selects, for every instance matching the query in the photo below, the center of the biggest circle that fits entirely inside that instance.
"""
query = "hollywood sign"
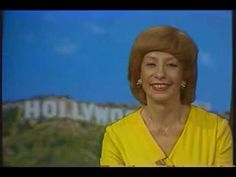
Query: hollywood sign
(36, 109)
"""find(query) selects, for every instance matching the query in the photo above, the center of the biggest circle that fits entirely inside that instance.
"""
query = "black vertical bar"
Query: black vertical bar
(1, 127)
(233, 101)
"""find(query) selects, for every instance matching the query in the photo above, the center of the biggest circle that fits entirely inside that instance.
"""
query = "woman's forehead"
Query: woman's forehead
(154, 55)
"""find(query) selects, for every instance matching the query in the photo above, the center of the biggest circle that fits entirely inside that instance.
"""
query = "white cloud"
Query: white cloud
(206, 59)
(96, 29)
(65, 48)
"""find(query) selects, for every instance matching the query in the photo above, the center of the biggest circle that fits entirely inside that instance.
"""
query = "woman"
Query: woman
(167, 130)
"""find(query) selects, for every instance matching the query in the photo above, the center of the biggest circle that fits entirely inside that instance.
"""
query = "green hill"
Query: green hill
(55, 142)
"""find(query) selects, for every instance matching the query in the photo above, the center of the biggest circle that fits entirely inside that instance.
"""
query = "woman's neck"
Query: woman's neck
(164, 114)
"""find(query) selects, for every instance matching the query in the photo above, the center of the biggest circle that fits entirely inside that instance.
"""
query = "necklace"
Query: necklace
(163, 131)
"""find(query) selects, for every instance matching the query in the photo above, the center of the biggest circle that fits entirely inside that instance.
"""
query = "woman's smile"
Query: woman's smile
(159, 87)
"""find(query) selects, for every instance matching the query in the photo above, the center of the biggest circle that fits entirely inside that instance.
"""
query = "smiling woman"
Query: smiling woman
(65, 65)
(167, 130)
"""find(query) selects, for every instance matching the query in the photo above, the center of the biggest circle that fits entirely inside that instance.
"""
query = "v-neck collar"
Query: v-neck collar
(154, 144)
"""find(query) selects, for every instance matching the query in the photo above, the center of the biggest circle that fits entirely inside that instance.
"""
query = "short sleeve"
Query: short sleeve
(224, 146)
(110, 155)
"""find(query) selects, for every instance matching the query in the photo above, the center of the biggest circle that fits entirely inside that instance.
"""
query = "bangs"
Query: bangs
(175, 43)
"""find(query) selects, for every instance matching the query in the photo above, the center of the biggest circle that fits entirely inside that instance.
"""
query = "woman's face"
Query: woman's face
(161, 75)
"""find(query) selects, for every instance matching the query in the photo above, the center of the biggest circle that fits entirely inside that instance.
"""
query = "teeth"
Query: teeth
(160, 86)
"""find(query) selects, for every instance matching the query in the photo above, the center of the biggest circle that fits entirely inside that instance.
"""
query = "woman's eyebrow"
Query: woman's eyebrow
(154, 58)
(150, 57)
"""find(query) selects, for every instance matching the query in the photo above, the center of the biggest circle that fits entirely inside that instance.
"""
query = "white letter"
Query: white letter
(49, 109)
(32, 109)
(115, 114)
(75, 113)
(87, 109)
(101, 115)
(62, 113)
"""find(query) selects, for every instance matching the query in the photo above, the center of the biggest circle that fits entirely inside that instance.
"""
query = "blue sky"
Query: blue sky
(84, 54)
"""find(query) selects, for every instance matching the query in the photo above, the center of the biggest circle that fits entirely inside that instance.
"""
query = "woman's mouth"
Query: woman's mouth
(159, 86)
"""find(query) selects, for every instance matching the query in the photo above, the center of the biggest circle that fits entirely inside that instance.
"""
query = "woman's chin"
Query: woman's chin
(160, 97)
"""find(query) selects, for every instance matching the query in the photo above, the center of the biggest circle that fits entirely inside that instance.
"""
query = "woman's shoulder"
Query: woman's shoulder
(204, 116)
(126, 122)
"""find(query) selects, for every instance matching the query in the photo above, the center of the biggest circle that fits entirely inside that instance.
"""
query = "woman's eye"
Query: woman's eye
(150, 64)
(172, 65)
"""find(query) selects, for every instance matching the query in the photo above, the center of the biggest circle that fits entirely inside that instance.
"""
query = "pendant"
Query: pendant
(162, 131)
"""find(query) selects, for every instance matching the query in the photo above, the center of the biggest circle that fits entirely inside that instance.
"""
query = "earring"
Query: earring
(183, 84)
(139, 83)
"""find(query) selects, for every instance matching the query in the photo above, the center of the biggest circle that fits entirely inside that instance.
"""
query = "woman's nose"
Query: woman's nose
(160, 73)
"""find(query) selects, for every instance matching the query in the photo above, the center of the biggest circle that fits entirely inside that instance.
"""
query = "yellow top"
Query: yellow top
(205, 141)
